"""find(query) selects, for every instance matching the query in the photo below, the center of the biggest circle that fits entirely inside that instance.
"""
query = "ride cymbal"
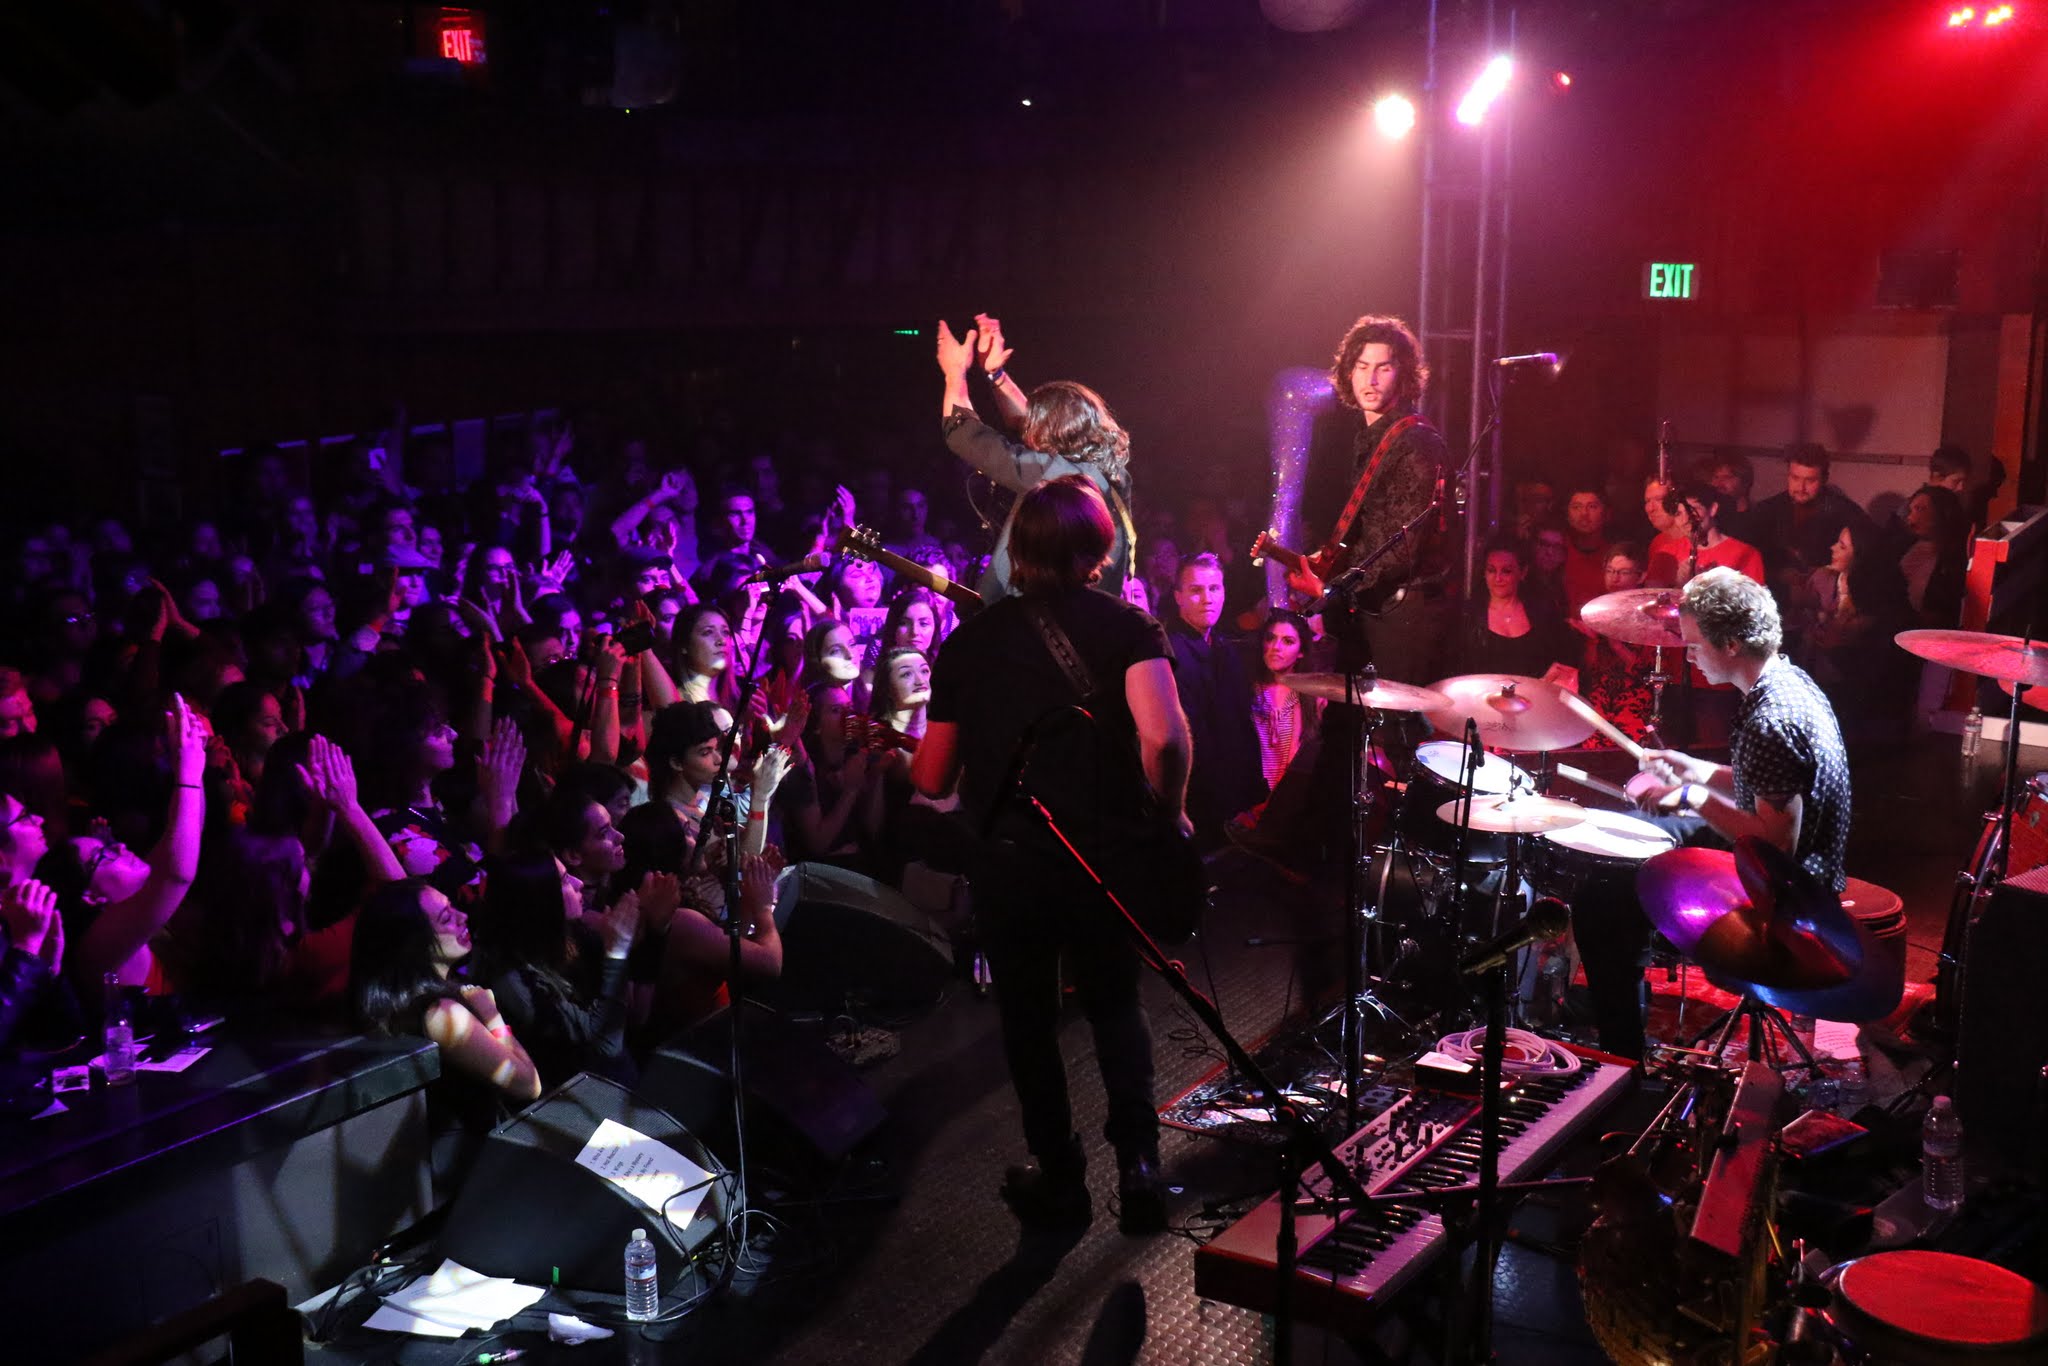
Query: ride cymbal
(1521, 715)
(1636, 616)
(2006, 658)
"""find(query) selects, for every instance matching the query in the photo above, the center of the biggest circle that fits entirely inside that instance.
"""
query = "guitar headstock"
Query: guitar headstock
(1263, 543)
(861, 542)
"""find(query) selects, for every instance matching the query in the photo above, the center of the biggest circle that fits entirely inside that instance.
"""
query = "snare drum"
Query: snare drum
(1915, 1308)
(1438, 767)
(1607, 844)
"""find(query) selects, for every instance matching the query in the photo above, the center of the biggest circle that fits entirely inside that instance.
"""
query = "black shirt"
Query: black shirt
(995, 679)
(1216, 693)
(1401, 488)
(1787, 744)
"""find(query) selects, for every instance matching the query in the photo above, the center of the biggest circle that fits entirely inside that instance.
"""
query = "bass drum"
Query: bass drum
(2029, 851)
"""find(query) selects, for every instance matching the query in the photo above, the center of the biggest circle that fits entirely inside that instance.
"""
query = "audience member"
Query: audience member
(1216, 693)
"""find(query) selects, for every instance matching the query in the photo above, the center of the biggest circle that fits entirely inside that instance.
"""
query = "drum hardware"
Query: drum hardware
(1756, 917)
(2022, 663)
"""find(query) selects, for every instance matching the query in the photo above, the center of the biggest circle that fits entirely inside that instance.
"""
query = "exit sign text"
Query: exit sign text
(1670, 280)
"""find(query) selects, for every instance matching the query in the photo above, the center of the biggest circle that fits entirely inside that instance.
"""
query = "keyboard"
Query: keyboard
(1351, 1265)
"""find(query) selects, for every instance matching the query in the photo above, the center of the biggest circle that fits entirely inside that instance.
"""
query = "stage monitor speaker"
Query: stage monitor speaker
(2003, 1043)
(804, 1102)
(528, 1210)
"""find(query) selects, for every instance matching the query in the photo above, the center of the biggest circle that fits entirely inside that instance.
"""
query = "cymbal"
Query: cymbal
(1521, 715)
(1880, 979)
(1503, 813)
(1636, 616)
(1753, 915)
(1383, 695)
(2036, 696)
(2007, 658)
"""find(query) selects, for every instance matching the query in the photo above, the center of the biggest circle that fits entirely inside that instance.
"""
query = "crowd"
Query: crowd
(438, 759)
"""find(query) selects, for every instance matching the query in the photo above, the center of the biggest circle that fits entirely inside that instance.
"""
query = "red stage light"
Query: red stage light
(1561, 79)
(1960, 18)
(2001, 15)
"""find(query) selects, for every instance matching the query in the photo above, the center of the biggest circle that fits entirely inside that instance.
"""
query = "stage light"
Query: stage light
(1394, 116)
(2001, 15)
(1561, 79)
(1492, 81)
(1959, 18)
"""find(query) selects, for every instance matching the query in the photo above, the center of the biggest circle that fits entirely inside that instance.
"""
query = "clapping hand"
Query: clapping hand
(619, 925)
(769, 771)
(328, 775)
(551, 576)
(757, 894)
(660, 896)
(29, 910)
(502, 761)
(188, 733)
(955, 354)
(995, 356)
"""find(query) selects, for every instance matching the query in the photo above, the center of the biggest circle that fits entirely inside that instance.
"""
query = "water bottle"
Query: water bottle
(117, 1035)
(643, 1295)
(1973, 731)
(1941, 1157)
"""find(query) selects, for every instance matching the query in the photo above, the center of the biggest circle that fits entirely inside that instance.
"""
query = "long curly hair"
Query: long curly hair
(1392, 332)
(1070, 419)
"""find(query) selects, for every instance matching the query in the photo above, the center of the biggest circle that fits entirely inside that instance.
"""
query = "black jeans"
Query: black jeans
(1613, 934)
(1033, 910)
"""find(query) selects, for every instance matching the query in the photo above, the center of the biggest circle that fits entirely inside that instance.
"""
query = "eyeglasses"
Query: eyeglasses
(78, 619)
(21, 813)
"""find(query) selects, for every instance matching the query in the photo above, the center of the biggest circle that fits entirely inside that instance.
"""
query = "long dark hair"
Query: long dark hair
(251, 889)
(1063, 417)
(1393, 333)
(1280, 617)
(657, 841)
(523, 923)
(393, 973)
(1060, 537)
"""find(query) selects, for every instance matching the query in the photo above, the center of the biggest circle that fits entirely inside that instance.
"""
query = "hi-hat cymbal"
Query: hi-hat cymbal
(1382, 694)
(1636, 616)
(1503, 813)
(1521, 715)
(1753, 915)
(2006, 658)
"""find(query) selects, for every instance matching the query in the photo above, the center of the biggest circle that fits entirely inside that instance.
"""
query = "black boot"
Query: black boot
(1052, 1191)
(1141, 1194)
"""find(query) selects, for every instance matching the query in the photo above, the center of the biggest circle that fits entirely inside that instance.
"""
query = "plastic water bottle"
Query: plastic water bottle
(1941, 1157)
(1973, 731)
(643, 1294)
(117, 1037)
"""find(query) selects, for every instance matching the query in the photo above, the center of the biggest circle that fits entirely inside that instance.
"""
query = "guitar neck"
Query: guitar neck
(1291, 559)
(922, 575)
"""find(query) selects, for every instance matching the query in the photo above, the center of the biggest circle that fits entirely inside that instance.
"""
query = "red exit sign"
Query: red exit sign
(462, 36)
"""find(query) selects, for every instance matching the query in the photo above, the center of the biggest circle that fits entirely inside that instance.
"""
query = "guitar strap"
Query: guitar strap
(1123, 517)
(1336, 541)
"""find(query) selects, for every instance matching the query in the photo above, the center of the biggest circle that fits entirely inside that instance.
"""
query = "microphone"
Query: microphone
(1548, 358)
(809, 564)
(1547, 919)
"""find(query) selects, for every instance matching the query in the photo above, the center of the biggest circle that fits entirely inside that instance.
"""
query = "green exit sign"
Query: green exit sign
(1670, 280)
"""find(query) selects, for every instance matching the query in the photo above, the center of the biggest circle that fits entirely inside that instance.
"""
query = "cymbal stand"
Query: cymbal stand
(1657, 679)
(1361, 903)
(1764, 1019)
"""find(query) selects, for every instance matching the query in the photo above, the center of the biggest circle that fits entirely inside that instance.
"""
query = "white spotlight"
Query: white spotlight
(1394, 116)
(1492, 81)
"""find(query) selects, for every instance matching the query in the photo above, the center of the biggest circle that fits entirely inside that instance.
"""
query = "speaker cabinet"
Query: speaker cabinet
(2003, 1042)
(804, 1103)
(528, 1210)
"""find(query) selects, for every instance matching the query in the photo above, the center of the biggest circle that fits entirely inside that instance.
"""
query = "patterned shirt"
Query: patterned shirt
(1787, 744)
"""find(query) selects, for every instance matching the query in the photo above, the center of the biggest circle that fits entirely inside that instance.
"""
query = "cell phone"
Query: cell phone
(636, 638)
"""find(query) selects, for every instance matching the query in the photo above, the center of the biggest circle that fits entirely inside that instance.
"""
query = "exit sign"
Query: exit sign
(1670, 280)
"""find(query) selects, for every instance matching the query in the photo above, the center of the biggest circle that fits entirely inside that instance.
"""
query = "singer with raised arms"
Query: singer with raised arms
(1061, 428)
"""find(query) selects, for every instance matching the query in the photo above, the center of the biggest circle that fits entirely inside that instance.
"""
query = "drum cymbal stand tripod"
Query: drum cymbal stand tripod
(1362, 901)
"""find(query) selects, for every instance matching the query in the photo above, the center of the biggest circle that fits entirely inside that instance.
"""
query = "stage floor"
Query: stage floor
(942, 1276)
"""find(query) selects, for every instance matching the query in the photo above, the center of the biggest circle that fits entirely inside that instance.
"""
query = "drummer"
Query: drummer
(1788, 784)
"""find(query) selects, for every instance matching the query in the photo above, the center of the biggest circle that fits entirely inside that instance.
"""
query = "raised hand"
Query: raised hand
(955, 354)
(769, 771)
(553, 574)
(188, 734)
(672, 484)
(611, 660)
(518, 666)
(503, 759)
(995, 356)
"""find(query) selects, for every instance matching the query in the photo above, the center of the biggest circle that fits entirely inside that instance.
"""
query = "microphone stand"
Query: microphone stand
(720, 805)
(1302, 1148)
(1341, 588)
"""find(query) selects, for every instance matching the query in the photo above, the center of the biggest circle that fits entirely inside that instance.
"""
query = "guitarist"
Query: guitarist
(1398, 612)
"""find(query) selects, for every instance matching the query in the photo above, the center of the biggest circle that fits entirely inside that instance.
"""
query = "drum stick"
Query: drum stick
(1585, 779)
(1603, 725)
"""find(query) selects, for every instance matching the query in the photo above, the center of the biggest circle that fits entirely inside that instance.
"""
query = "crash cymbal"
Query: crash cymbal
(1381, 695)
(2006, 658)
(1874, 991)
(1753, 915)
(1521, 715)
(1636, 616)
(1503, 813)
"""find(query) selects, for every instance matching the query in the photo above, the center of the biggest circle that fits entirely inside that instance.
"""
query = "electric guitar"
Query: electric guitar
(863, 544)
(1369, 602)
